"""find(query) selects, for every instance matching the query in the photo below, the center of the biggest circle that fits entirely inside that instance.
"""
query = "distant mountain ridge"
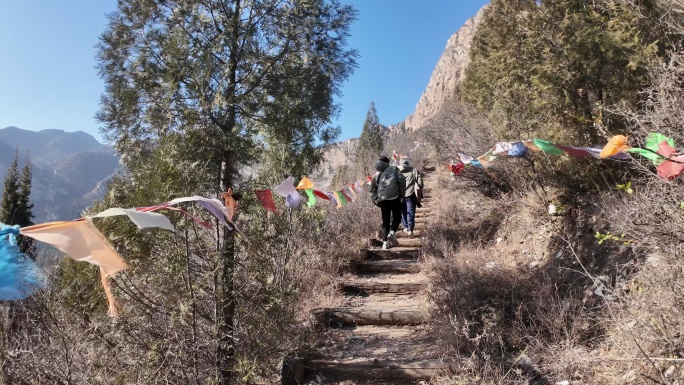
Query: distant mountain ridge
(70, 169)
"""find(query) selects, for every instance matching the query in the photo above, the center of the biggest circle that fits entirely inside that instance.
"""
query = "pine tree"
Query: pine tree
(212, 86)
(16, 207)
(11, 194)
(370, 143)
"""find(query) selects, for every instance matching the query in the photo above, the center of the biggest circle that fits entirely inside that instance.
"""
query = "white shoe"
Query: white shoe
(392, 238)
(385, 245)
(410, 233)
(407, 231)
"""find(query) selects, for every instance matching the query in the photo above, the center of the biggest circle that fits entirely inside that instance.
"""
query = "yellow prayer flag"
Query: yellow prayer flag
(305, 184)
(616, 144)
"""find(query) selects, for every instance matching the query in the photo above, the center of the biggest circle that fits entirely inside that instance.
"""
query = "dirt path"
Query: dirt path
(382, 334)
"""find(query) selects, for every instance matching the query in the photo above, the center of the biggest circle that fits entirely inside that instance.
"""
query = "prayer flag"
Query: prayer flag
(286, 187)
(333, 198)
(668, 169)
(20, 277)
(141, 219)
(265, 197)
(341, 202)
(457, 168)
(346, 195)
(214, 206)
(231, 204)
(616, 144)
(465, 159)
(321, 195)
(80, 240)
(294, 200)
(312, 198)
(547, 146)
(305, 184)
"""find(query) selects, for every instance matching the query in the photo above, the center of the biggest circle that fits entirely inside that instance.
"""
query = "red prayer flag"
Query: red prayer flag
(321, 195)
(265, 197)
(457, 168)
(345, 195)
(669, 170)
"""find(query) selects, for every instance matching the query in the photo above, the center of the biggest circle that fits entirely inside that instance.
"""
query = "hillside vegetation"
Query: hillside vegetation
(586, 292)
(197, 91)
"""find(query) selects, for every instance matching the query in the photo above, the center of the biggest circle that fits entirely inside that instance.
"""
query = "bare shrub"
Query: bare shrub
(646, 326)
(166, 332)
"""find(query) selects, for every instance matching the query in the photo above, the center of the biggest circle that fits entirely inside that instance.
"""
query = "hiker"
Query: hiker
(387, 188)
(412, 196)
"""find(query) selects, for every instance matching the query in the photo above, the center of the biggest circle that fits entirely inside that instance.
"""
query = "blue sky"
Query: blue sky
(48, 77)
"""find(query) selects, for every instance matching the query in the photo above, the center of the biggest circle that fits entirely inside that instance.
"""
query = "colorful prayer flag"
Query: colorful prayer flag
(668, 169)
(616, 144)
(265, 197)
(286, 187)
(20, 277)
(321, 195)
(312, 197)
(294, 200)
(305, 184)
(547, 146)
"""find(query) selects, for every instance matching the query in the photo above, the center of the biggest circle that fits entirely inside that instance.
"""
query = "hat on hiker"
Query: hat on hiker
(405, 163)
(384, 159)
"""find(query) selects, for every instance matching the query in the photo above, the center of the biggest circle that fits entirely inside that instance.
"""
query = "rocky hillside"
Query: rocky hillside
(70, 169)
(447, 75)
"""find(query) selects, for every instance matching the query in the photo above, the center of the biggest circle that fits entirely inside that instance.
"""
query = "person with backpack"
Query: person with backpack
(388, 187)
(412, 196)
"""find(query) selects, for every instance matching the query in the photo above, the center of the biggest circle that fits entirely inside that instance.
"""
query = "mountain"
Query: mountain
(447, 75)
(70, 169)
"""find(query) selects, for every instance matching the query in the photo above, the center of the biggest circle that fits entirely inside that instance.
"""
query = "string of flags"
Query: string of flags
(658, 148)
(20, 277)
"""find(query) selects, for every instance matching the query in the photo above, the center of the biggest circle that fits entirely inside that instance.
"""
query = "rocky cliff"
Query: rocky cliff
(447, 75)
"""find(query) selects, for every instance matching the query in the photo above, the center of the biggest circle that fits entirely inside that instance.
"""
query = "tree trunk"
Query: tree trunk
(225, 348)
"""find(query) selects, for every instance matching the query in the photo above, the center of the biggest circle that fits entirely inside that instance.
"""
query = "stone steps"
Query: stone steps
(381, 335)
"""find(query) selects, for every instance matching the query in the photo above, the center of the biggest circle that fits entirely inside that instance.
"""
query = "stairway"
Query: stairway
(382, 334)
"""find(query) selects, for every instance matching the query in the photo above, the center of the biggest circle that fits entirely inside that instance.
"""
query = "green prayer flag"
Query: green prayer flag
(340, 199)
(652, 146)
(312, 197)
(654, 139)
(650, 155)
(547, 146)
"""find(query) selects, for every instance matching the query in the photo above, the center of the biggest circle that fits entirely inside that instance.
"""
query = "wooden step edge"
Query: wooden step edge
(401, 266)
(374, 369)
(360, 316)
(296, 370)
(392, 253)
(403, 241)
(363, 288)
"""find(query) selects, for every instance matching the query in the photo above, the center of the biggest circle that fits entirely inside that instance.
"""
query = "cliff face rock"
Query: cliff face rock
(335, 155)
(447, 75)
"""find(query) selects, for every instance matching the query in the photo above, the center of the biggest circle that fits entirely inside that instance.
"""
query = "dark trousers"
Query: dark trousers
(408, 212)
(390, 210)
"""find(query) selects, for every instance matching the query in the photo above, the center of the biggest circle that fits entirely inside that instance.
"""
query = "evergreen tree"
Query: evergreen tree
(370, 143)
(11, 194)
(16, 207)
(547, 67)
(207, 87)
